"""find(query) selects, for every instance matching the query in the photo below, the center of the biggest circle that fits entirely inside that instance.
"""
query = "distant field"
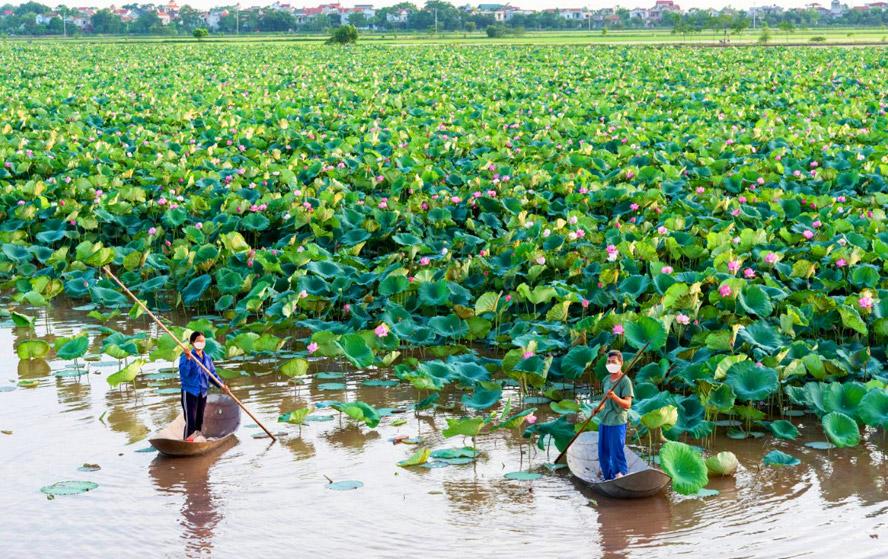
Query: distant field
(835, 36)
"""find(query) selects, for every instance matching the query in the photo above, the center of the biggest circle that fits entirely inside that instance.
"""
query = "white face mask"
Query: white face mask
(613, 367)
(199, 345)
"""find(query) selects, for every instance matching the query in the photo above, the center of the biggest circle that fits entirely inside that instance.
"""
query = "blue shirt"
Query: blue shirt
(194, 379)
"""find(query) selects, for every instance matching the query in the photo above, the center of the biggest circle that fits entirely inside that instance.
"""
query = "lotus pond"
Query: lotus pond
(435, 247)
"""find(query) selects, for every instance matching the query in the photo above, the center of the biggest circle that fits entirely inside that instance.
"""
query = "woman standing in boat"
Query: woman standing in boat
(195, 383)
(614, 416)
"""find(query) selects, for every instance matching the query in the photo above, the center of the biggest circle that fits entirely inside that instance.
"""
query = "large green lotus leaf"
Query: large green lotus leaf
(752, 382)
(467, 427)
(126, 374)
(483, 398)
(873, 409)
(356, 350)
(515, 420)
(421, 456)
(783, 429)
(196, 288)
(268, 343)
(432, 294)
(722, 398)
(762, 335)
(32, 349)
(843, 397)
(450, 453)
(565, 407)
(841, 429)
(722, 464)
(296, 417)
(685, 466)
(851, 319)
(450, 326)
(393, 285)
(21, 320)
(469, 373)
(577, 360)
(109, 297)
(487, 303)
(755, 300)
(779, 458)
(359, 411)
(72, 348)
(646, 330)
(560, 430)
(522, 476)
(661, 418)
(296, 367)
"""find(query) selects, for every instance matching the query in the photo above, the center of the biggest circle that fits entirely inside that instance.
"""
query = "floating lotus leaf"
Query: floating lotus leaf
(345, 485)
(522, 476)
(779, 458)
(820, 445)
(685, 466)
(722, 464)
(68, 488)
(464, 452)
(841, 429)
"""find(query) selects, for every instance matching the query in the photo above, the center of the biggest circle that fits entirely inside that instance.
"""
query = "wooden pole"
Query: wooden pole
(562, 458)
(185, 349)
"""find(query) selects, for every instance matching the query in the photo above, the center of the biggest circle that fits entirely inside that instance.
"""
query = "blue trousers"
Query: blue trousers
(611, 458)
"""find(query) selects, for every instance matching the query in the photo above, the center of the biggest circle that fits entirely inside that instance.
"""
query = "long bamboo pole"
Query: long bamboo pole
(562, 458)
(185, 349)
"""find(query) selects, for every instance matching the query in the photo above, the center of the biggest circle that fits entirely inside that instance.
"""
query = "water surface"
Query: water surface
(255, 499)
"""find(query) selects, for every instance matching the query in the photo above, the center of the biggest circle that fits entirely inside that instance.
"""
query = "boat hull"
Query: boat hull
(641, 481)
(221, 420)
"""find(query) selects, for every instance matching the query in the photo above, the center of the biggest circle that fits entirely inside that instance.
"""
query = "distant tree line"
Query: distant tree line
(439, 15)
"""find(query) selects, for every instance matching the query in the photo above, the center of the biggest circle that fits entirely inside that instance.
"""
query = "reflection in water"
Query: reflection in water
(33, 368)
(350, 436)
(626, 524)
(190, 477)
(300, 448)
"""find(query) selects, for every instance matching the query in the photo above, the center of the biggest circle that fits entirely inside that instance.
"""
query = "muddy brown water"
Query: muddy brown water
(255, 499)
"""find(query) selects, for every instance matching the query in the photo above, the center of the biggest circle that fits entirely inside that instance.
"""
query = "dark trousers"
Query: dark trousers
(193, 408)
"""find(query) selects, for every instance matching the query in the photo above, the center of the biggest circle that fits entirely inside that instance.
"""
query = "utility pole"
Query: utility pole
(753, 17)
(237, 18)
(436, 21)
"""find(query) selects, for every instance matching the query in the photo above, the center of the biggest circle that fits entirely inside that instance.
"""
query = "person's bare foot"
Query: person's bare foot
(618, 476)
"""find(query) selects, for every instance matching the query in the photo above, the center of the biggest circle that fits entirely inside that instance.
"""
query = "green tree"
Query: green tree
(200, 32)
(106, 22)
(190, 19)
(495, 31)
(276, 20)
(359, 20)
(147, 22)
(343, 35)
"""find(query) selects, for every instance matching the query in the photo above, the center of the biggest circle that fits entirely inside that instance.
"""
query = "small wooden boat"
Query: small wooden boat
(221, 420)
(643, 480)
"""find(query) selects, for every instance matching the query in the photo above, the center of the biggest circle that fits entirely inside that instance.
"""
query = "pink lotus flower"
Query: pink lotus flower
(770, 258)
(424, 261)
(585, 303)
(662, 230)
(527, 354)
(152, 230)
(725, 290)
(682, 319)
(865, 302)
(161, 201)
(346, 308)
(808, 234)
(303, 294)
(733, 266)
(312, 347)
(483, 252)
(735, 212)
(633, 206)
(666, 270)
(540, 260)
(198, 225)
(814, 164)
(618, 329)
(741, 199)
(749, 273)
(629, 175)
(760, 180)
(840, 199)
(530, 419)
(816, 224)
(841, 263)
(381, 331)
(508, 298)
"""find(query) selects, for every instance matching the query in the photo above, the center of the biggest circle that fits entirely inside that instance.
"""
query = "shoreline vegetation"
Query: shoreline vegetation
(849, 36)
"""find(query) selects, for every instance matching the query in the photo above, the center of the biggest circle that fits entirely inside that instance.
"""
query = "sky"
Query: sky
(526, 4)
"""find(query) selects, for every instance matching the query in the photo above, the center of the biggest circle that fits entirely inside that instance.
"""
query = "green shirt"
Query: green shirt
(612, 413)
